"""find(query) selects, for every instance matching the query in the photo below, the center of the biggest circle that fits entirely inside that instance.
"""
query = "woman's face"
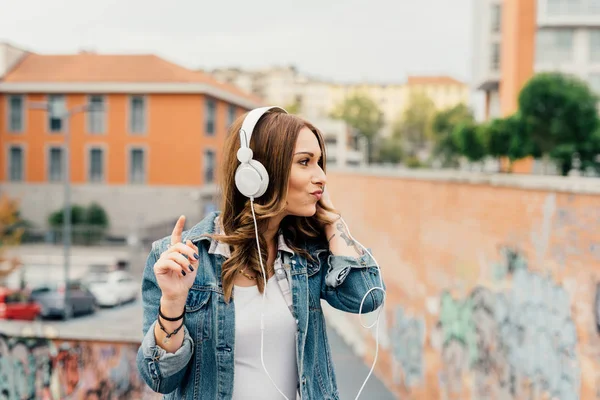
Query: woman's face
(307, 179)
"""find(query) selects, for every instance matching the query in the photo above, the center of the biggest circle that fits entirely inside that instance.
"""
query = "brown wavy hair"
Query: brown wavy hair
(273, 142)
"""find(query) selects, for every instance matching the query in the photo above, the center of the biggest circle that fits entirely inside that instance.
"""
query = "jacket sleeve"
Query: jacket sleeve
(348, 279)
(162, 371)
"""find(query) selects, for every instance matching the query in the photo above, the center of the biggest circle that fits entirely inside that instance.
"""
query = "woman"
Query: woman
(203, 289)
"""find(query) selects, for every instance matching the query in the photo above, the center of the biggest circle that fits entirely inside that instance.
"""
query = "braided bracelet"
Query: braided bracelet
(167, 339)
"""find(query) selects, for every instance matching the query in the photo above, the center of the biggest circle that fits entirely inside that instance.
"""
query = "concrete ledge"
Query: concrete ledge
(55, 330)
(571, 184)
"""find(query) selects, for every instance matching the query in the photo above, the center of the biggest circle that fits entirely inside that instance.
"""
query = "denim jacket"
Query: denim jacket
(203, 367)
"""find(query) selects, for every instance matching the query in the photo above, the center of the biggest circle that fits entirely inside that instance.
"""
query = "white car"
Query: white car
(113, 288)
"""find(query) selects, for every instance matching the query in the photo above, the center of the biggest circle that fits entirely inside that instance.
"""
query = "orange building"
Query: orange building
(514, 39)
(153, 124)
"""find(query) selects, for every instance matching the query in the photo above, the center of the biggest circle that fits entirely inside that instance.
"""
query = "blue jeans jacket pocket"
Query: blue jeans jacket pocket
(198, 312)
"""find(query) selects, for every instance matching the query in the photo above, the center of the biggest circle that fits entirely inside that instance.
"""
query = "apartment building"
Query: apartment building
(316, 98)
(147, 152)
(514, 39)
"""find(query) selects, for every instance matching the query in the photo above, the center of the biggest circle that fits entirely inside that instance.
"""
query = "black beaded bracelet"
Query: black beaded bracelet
(170, 319)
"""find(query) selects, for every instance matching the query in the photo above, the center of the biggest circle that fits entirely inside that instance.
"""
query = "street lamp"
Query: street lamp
(60, 111)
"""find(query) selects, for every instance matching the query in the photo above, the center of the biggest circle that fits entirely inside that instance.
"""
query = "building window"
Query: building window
(554, 7)
(211, 111)
(96, 114)
(574, 7)
(16, 106)
(231, 114)
(56, 110)
(496, 18)
(495, 57)
(137, 166)
(55, 164)
(209, 166)
(16, 164)
(566, 7)
(595, 45)
(96, 167)
(137, 114)
(594, 82)
(554, 45)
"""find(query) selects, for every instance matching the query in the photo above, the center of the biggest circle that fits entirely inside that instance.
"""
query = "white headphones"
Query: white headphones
(251, 177)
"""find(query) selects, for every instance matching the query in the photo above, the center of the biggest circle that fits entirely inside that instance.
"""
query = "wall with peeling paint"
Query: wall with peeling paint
(493, 283)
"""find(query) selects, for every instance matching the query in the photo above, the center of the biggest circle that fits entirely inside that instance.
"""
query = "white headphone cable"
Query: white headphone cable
(376, 323)
(262, 313)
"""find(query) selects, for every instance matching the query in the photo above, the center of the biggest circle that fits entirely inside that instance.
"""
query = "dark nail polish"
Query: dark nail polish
(183, 272)
(196, 256)
(191, 268)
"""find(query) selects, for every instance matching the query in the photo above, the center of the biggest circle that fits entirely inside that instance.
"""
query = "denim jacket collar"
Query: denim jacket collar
(220, 248)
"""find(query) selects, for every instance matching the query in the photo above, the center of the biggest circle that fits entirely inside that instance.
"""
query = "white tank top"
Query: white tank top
(250, 381)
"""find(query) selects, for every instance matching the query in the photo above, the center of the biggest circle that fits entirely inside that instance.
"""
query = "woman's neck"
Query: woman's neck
(273, 228)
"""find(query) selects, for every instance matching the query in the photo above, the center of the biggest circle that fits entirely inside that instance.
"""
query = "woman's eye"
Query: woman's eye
(304, 162)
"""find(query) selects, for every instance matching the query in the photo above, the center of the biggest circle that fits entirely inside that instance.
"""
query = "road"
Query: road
(124, 323)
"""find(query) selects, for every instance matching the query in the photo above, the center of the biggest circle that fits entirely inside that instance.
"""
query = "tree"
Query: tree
(294, 108)
(415, 124)
(470, 141)
(361, 113)
(560, 116)
(89, 223)
(10, 233)
(507, 137)
(444, 123)
(57, 218)
(95, 215)
(391, 150)
(589, 153)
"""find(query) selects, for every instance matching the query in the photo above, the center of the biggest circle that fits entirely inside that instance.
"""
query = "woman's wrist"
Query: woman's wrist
(333, 218)
(172, 308)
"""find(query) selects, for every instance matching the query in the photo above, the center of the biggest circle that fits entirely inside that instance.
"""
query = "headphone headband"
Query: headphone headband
(250, 123)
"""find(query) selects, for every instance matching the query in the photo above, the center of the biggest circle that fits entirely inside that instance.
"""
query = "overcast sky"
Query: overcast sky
(346, 41)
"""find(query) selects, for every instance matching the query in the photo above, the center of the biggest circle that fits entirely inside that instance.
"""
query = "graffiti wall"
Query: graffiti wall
(44, 369)
(493, 291)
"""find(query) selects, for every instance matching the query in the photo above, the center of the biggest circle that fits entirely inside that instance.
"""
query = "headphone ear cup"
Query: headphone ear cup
(251, 179)
(264, 176)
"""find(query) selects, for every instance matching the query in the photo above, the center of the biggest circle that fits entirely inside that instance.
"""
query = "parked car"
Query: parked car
(18, 304)
(113, 288)
(55, 302)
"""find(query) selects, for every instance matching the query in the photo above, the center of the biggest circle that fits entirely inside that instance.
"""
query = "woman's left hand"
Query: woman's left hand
(324, 214)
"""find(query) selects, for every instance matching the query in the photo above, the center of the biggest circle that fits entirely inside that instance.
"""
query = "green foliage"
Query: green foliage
(95, 215)
(507, 137)
(361, 113)
(391, 150)
(78, 214)
(560, 116)
(415, 125)
(89, 224)
(444, 123)
(293, 108)
(470, 141)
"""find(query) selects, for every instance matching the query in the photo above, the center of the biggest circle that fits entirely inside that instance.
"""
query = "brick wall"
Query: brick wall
(492, 283)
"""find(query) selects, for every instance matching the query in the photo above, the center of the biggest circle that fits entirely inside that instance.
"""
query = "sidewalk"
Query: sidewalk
(351, 372)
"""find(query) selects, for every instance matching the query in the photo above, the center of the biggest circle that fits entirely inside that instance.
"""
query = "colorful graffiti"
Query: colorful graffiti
(511, 261)
(516, 343)
(44, 369)
(408, 340)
